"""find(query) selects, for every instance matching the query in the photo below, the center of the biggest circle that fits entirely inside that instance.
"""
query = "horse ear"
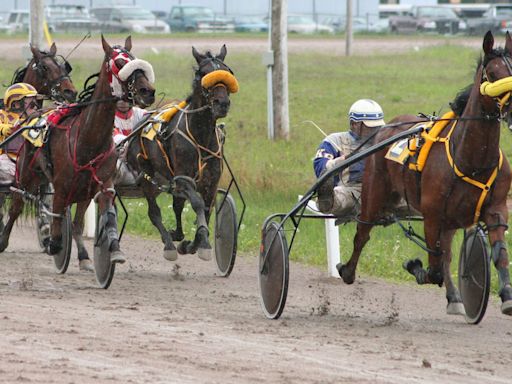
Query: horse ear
(128, 43)
(106, 47)
(197, 55)
(223, 52)
(508, 43)
(488, 42)
(53, 49)
(35, 52)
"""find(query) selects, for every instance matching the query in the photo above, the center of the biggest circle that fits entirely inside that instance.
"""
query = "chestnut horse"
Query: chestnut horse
(49, 74)
(80, 150)
(187, 154)
(445, 197)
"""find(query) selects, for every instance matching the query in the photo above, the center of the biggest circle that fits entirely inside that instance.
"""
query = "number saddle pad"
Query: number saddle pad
(163, 116)
(414, 151)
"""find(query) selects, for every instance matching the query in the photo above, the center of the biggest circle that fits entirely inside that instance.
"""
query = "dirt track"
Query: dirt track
(164, 322)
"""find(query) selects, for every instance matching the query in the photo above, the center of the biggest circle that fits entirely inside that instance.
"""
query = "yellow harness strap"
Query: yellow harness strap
(484, 187)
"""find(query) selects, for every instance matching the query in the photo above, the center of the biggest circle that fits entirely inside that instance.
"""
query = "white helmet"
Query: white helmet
(367, 111)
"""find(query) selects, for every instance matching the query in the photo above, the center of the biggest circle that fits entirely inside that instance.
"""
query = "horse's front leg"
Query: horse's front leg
(496, 221)
(59, 206)
(455, 305)
(84, 263)
(108, 222)
(155, 216)
(185, 187)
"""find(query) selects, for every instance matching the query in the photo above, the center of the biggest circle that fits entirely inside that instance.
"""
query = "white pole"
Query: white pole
(332, 242)
(90, 220)
(348, 29)
(36, 23)
(269, 62)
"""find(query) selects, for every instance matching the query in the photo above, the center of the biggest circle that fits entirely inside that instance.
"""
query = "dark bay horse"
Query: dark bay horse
(446, 199)
(49, 74)
(81, 153)
(187, 154)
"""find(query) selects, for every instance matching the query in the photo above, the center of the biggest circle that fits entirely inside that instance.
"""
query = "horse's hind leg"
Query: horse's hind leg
(108, 218)
(155, 216)
(84, 263)
(186, 188)
(496, 221)
(14, 211)
(348, 271)
(177, 205)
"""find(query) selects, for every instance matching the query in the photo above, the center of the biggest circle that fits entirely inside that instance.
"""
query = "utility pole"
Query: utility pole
(348, 30)
(279, 39)
(36, 23)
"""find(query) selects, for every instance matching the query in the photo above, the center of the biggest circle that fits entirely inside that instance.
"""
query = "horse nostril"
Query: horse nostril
(70, 95)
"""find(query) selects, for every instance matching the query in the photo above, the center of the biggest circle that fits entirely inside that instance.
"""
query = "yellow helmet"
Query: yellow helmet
(18, 92)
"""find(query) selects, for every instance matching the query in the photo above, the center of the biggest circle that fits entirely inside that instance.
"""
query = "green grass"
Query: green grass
(321, 88)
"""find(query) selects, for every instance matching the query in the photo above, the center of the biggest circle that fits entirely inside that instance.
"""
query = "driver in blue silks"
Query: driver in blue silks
(340, 195)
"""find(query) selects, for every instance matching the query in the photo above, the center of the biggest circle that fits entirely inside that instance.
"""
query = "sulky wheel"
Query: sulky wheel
(273, 270)
(61, 259)
(474, 274)
(103, 267)
(226, 233)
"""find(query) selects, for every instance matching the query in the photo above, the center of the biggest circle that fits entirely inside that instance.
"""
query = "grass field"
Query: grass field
(321, 89)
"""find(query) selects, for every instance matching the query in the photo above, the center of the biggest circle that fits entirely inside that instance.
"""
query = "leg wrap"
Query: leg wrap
(499, 251)
(435, 276)
(109, 224)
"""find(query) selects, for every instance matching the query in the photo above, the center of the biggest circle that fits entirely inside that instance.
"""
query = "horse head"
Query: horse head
(51, 74)
(496, 76)
(131, 79)
(215, 80)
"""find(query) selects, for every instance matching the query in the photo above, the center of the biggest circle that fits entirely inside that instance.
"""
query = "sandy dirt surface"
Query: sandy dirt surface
(163, 322)
(336, 47)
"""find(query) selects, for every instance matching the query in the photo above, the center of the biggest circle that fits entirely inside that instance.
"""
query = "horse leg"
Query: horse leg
(177, 205)
(54, 245)
(14, 211)
(348, 271)
(496, 221)
(108, 220)
(84, 262)
(185, 187)
(155, 216)
(455, 305)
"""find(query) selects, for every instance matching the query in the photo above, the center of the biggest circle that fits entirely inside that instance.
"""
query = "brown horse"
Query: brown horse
(188, 155)
(49, 74)
(81, 153)
(446, 200)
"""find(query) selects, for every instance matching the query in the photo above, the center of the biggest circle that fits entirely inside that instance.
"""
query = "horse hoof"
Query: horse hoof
(205, 254)
(85, 265)
(348, 278)
(182, 247)
(455, 309)
(171, 254)
(117, 257)
(506, 307)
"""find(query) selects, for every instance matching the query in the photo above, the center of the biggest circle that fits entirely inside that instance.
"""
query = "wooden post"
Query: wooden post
(36, 23)
(279, 39)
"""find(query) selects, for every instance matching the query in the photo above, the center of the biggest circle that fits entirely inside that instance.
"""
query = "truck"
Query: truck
(192, 18)
(437, 19)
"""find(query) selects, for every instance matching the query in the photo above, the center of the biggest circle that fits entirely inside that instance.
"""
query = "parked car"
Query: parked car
(129, 19)
(427, 19)
(192, 18)
(70, 18)
(359, 25)
(305, 24)
(497, 19)
(250, 24)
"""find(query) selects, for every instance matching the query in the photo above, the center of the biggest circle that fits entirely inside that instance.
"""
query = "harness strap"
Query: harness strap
(484, 187)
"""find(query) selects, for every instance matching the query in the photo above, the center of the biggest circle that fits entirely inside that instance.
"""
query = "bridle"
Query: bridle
(43, 72)
(499, 90)
(225, 78)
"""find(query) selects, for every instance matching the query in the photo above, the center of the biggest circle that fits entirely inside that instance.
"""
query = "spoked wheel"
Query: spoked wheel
(103, 267)
(474, 274)
(62, 258)
(226, 232)
(273, 270)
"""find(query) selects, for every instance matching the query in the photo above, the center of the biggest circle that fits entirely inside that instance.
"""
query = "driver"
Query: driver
(20, 103)
(340, 195)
